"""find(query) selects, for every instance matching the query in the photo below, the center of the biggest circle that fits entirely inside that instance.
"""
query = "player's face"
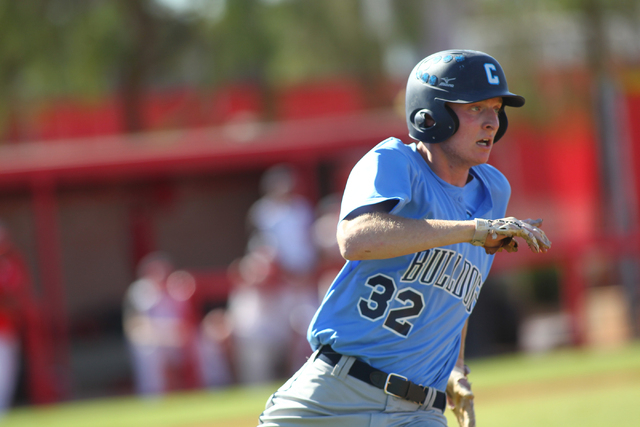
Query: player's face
(471, 144)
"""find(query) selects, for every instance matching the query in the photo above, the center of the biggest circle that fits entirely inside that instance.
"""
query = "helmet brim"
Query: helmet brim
(513, 100)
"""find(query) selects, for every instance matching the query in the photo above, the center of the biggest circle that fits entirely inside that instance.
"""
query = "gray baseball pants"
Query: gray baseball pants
(326, 396)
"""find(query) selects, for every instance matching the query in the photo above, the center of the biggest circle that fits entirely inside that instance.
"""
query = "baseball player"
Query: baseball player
(419, 226)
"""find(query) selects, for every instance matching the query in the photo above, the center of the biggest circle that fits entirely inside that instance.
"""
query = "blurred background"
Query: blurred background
(151, 150)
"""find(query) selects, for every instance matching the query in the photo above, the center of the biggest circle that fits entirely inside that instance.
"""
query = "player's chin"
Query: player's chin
(484, 150)
(482, 158)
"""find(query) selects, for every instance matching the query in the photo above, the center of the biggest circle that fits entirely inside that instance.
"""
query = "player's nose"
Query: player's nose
(491, 120)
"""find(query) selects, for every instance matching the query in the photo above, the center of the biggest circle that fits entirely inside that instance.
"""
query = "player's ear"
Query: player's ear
(423, 119)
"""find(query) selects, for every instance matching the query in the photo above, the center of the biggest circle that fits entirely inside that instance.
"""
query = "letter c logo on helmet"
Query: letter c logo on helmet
(492, 78)
(473, 76)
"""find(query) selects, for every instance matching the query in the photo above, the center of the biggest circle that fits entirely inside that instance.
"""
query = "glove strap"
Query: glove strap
(482, 230)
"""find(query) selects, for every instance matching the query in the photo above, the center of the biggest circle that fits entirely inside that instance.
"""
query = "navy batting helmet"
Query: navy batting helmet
(457, 76)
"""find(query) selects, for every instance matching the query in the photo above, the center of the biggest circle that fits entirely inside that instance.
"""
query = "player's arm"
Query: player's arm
(463, 338)
(371, 232)
(459, 394)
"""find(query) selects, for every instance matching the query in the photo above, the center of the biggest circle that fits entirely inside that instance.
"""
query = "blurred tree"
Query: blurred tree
(74, 48)
(25, 53)
(119, 47)
(276, 43)
(90, 49)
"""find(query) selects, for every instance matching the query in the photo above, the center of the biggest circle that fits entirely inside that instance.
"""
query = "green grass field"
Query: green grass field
(585, 388)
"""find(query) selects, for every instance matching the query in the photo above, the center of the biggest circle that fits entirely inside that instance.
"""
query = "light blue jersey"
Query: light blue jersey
(405, 314)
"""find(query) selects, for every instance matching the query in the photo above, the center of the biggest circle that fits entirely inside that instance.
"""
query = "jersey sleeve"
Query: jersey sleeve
(384, 173)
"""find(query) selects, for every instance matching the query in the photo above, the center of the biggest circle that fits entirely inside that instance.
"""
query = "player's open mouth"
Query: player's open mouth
(486, 142)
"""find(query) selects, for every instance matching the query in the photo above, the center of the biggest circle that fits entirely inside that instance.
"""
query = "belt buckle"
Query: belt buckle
(388, 381)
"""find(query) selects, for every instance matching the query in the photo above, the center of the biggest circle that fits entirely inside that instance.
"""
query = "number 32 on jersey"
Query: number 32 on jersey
(383, 292)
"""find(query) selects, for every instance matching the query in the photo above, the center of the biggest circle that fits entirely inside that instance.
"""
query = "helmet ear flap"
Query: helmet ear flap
(454, 118)
(423, 120)
(430, 127)
(502, 120)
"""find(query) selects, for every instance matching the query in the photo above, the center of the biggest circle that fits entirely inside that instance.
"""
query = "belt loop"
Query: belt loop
(315, 354)
(341, 370)
(429, 399)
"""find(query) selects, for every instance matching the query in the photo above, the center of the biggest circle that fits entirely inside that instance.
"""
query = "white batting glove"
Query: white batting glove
(460, 397)
(511, 227)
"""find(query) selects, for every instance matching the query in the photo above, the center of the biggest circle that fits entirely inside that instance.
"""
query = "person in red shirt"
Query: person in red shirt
(14, 304)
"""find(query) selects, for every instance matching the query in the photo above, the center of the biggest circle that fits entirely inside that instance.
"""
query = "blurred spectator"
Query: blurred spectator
(260, 329)
(269, 315)
(283, 218)
(274, 294)
(15, 306)
(161, 327)
(215, 349)
(330, 262)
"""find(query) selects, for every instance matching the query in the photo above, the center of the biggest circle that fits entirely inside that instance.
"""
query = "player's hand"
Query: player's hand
(501, 243)
(460, 397)
(496, 235)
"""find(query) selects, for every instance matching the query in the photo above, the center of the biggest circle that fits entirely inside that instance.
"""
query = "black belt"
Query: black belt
(393, 384)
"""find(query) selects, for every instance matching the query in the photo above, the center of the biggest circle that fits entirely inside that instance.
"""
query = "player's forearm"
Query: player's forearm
(381, 236)
(463, 338)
